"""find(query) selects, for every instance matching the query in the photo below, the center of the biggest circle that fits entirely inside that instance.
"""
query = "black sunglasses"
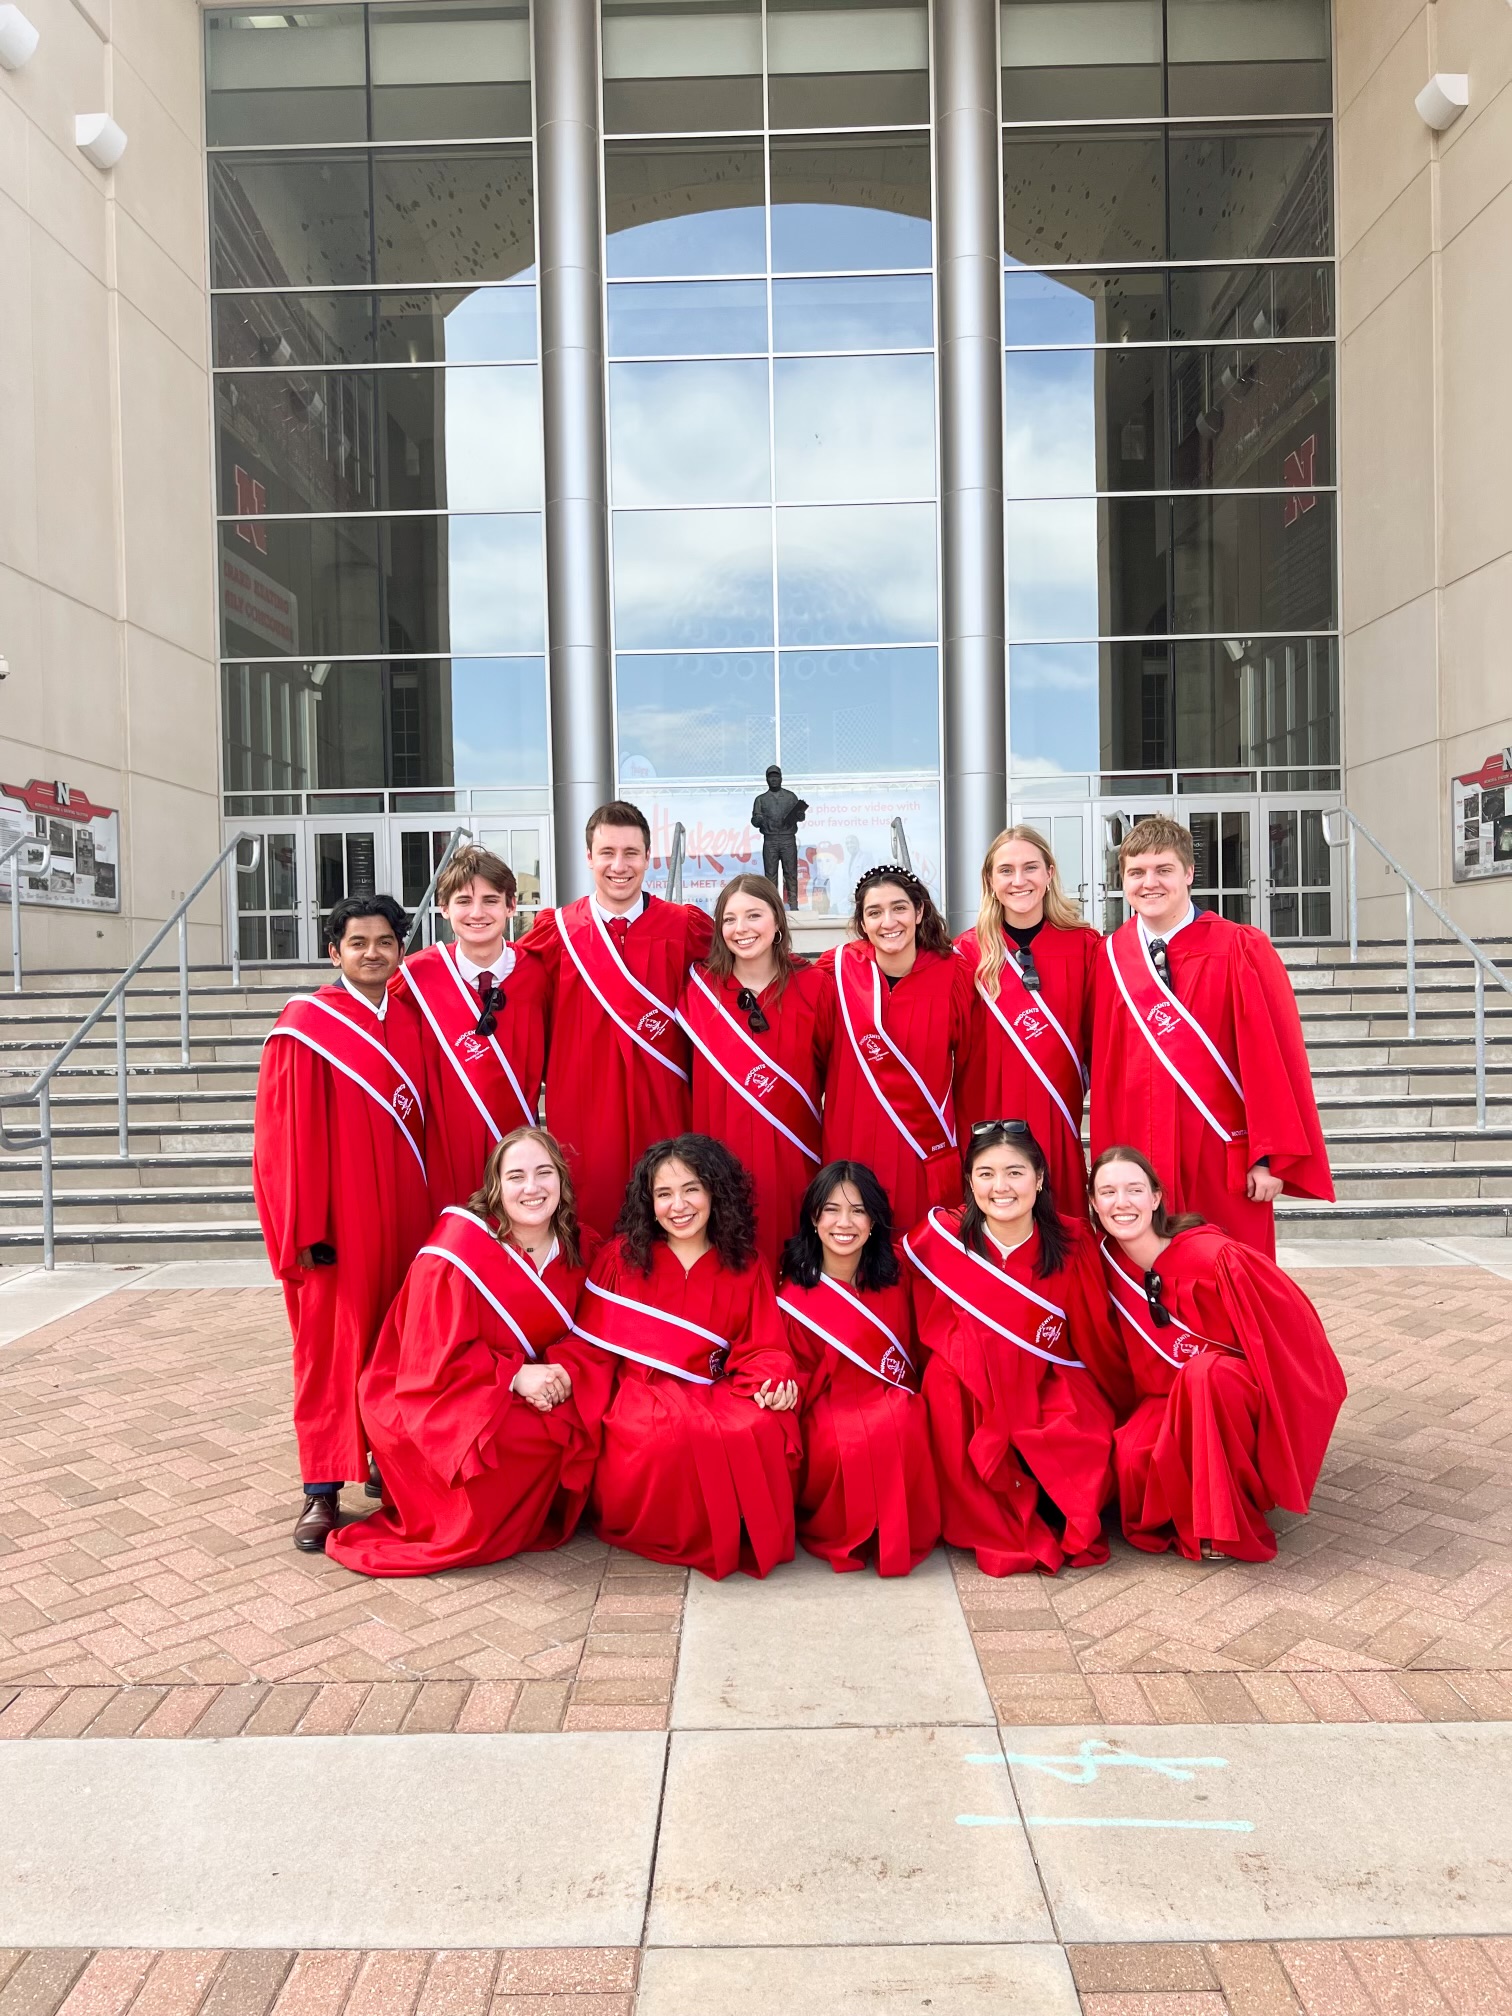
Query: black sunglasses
(488, 1021)
(752, 1010)
(999, 1127)
(1154, 1287)
(1027, 968)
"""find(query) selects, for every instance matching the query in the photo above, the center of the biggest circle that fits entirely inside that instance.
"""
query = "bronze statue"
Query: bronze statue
(777, 814)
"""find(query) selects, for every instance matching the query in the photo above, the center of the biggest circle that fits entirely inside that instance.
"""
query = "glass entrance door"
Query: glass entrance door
(1114, 824)
(269, 919)
(1300, 866)
(1223, 841)
(343, 862)
(523, 843)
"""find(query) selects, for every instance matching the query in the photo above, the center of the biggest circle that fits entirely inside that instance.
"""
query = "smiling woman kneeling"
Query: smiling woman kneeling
(1012, 1312)
(484, 1446)
(1231, 1387)
(700, 1437)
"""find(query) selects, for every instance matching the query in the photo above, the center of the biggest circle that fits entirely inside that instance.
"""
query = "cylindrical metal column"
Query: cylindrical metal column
(967, 172)
(566, 51)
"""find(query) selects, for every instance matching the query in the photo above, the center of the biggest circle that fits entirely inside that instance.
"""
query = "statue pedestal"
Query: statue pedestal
(814, 932)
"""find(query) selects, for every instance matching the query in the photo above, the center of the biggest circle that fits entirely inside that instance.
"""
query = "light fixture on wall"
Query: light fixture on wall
(18, 39)
(1442, 99)
(99, 139)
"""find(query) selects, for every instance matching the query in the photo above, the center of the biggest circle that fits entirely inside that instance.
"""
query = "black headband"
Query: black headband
(891, 872)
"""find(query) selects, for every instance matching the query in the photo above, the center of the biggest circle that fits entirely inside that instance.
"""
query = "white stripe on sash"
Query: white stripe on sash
(299, 1036)
(838, 1344)
(977, 1315)
(1191, 1023)
(734, 1083)
(1122, 1308)
(456, 1063)
(994, 1009)
(945, 1127)
(656, 1001)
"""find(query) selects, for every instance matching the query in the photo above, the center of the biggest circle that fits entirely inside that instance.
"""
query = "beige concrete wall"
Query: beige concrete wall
(106, 555)
(1425, 287)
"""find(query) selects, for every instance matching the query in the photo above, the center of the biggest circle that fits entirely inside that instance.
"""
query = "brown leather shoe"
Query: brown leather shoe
(315, 1524)
(374, 1484)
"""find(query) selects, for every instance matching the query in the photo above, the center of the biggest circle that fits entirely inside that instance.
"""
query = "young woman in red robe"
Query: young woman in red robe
(1034, 963)
(752, 1016)
(700, 1437)
(484, 1446)
(1012, 1312)
(1230, 1387)
(900, 1022)
(867, 1485)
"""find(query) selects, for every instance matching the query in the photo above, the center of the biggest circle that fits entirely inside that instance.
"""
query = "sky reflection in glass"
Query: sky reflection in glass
(710, 715)
(692, 580)
(693, 433)
(688, 319)
(857, 574)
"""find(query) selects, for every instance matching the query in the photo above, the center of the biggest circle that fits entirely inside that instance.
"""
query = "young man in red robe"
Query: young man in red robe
(1011, 1311)
(482, 1007)
(1231, 1387)
(867, 1485)
(483, 1443)
(1198, 1058)
(617, 1067)
(338, 1170)
(700, 1438)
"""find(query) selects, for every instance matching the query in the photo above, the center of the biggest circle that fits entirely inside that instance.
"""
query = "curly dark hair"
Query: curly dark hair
(732, 1207)
(803, 1255)
(1055, 1239)
(933, 931)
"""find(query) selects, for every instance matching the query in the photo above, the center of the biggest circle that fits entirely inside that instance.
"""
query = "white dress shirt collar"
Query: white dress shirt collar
(637, 910)
(501, 969)
(381, 1010)
(1148, 935)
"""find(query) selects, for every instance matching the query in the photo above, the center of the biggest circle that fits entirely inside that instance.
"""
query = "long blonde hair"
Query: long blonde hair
(488, 1201)
(992, 943)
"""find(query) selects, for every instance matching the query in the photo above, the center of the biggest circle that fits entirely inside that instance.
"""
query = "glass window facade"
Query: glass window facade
(1168, 327)
(772, 402)
(772, 384)
(377, 398)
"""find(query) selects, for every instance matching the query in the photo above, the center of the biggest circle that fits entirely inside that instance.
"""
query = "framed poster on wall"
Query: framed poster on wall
(1481, 809)
(82, 843)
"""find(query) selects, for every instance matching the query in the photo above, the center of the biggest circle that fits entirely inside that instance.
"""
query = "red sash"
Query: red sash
(641, 1016)
(325, 1024)
(635, 1330)
(844, 1322)
(745, 1067)
(973, 1284)
(896, 1086)
(1173, 1032)
(450, 1006)
(501, 1276)
(1030, 1026)
(1127, 1295)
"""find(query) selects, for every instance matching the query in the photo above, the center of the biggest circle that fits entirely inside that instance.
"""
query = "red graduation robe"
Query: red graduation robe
(1233, 982)
(997, 1080)
(698, 1474)
(868, 1475)
(330, 1166)
(930, 1017)
(1006, 1424)
(780, 1168)
(462, 1124)
(471, 1472)
(1241, 1421)
(606, 1102)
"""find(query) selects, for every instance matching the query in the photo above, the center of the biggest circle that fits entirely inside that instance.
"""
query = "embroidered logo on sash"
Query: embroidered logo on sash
(761, 1081)
(895, 1366)
(1031, 1025)
(873, 1049)
(404, 1101)
(653, 1024)
(472, 1047)
(1050, 1332)
(1161, 1020)
(1186, 1347)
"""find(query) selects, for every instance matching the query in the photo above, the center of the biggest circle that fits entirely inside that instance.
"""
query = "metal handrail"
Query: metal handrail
(40, 1088)
(8, 854)
(1414, 892)
(900, 853)
(675, 860)
(423, 907)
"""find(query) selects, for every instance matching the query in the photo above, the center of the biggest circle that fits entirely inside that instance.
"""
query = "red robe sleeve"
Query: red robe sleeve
(1094, 1332)
(698, 935)
(291, 1153)
(759, 1348)
(1281, 1112)
(1301, 1381)
(543, 941)
(590, 1369)
(826, 1010)
(451, 1387)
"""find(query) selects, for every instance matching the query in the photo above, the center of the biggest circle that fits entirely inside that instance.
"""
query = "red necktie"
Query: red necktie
(619, 928)
(485, 988)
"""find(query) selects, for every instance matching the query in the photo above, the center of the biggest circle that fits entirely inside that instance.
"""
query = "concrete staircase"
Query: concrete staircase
(1399, 1115)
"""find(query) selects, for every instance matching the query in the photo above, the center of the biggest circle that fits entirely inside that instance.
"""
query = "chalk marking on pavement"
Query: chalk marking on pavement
(1099, 1820)
(1096, 1755)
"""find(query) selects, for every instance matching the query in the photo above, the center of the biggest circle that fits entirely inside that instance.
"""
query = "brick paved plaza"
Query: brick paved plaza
(148, 1589)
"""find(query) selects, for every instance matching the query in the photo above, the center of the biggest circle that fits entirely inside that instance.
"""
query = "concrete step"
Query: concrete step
(1428, 1179)
(146, 1173)
(72, 1207)
(1395, 1218)
(114, 1243)
(1369, 1146)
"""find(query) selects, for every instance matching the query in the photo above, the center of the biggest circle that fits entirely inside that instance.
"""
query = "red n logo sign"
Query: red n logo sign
(1298, 469)
(252, 497)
